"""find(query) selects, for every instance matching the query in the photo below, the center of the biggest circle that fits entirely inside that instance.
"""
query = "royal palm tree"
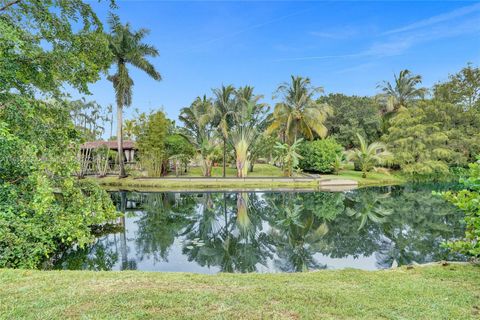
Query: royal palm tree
(300, 114)
(402, 91)
(127, 48)
(367, 156)
(225, 108)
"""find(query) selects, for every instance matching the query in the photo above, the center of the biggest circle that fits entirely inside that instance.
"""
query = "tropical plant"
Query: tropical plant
(200, 132)
(299, 115)
(468, 200)
(224, 110)
(402, 91)
(129, 129)
(288, 156)
(241, 139)
(127, 48)
(367, 156)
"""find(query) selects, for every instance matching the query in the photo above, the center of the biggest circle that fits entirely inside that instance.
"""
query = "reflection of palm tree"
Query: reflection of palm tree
(367, 207)
(296, 233)
(228, 234)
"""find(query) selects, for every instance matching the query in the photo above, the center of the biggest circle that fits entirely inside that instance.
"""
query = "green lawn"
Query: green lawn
(451, 292)
(259, 170)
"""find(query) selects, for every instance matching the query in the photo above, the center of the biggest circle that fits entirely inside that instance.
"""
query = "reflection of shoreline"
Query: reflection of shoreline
(289, 231)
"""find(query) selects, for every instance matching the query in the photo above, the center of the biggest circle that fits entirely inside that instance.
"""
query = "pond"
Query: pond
(368, 228)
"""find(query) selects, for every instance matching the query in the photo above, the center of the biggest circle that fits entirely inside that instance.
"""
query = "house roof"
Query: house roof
(112, 145)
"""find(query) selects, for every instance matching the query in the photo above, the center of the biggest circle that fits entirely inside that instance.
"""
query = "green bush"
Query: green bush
(319, 155)
(43, 208)
(468, 200)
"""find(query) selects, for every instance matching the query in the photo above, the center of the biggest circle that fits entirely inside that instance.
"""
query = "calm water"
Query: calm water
(369, 229)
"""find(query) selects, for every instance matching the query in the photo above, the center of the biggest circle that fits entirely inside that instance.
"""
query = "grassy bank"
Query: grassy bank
(451, 292)
(263, 171)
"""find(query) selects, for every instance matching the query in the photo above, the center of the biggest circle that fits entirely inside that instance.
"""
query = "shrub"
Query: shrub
(320, 155)
(43, 208)
(468, 200)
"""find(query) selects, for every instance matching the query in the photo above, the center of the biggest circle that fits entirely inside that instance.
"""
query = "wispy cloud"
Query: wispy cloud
(247, 29)
(445, 17)
(398, 41)
(337, 34)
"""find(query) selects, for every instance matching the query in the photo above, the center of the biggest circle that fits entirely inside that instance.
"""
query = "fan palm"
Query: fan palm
(367, 156)
(300, 114)
(127, 48)
(402, 91)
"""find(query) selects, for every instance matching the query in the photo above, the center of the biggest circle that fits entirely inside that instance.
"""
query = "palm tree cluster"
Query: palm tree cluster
(234, 118)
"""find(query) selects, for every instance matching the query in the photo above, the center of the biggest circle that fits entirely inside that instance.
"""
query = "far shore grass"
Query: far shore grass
(430, 292)
(266, 171)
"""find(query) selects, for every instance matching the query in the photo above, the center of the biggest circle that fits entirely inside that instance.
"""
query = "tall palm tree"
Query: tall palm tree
(225, 107)
(369, 155)
(299, 114)
(127, 48)
(402, 91)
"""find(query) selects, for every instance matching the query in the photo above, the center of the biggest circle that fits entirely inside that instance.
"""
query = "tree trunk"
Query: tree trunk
(120, 141)
(224, 157)
(250, 166)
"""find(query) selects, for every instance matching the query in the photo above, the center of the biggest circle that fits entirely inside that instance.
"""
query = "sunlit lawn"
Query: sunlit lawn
(451, 292)
(259, 170)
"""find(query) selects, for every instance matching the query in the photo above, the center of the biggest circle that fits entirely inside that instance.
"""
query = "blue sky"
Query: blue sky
(346, 47)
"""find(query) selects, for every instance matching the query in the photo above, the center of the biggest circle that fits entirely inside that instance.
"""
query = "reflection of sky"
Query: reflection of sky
(177, 262)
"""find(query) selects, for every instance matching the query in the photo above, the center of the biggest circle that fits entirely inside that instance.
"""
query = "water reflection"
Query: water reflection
(267, 232)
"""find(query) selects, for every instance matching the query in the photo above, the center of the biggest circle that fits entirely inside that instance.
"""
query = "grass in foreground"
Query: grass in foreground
(451, 292)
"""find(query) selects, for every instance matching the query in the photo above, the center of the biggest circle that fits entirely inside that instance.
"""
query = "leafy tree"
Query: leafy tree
(263, 147)
(299, 115)
(462, 88)
(200, 131)
(288, 156)
(127, 48)
(403, 91)
(42, 206)
(468, 200)
(47, 44)
(431, 136)
(352, 115)
(178, 148)
(367, 156)
(319, 155)
(151, 135)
